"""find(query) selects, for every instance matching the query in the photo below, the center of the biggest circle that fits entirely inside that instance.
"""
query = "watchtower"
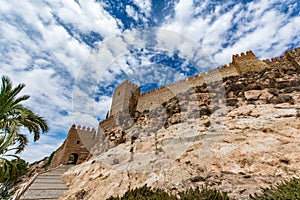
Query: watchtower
(248, 63)
(125, 98)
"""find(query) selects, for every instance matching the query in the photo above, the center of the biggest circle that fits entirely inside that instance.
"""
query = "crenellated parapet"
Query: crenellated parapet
(289, 60)
(85, 129)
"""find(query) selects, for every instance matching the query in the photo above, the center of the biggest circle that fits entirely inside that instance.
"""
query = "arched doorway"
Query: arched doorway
(73, 159)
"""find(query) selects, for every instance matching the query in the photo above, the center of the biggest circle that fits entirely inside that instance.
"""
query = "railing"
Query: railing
(20, 191)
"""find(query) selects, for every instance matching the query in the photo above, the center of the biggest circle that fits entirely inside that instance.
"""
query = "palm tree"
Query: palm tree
(13, 117)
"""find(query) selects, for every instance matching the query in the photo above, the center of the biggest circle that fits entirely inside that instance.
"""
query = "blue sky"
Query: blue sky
(72, 53)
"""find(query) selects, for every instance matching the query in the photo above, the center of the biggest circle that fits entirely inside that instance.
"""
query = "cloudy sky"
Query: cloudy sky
(72, 53)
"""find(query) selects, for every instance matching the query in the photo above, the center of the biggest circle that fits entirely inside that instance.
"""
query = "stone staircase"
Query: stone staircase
(47, 186)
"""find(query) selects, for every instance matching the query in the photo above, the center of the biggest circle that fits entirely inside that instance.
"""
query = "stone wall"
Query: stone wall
(240, 64)
(77, 142)
(125, 98)
(290, 60)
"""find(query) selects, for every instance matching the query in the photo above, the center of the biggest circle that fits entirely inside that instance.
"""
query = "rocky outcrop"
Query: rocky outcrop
(236, 136)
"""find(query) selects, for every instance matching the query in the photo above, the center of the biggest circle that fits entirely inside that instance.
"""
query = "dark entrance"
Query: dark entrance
(73, 159)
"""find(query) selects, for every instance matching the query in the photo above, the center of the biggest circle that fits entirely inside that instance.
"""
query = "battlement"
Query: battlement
(240, 64)
(249, 54)
(289, 60)
(83, 128)
(127, 82)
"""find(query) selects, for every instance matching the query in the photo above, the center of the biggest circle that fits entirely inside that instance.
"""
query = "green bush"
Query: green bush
(285, 190)
(20, 168)
(5, 192)
(204, 193)
(49, 159)
(147, 193)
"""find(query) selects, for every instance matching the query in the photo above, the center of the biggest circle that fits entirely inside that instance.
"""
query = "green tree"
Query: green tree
(13, 117)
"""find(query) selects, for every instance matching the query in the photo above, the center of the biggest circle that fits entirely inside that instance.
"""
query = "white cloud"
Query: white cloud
(260, 26)
(86, 16)
(42, 148)
(131, 12)
(144, 5)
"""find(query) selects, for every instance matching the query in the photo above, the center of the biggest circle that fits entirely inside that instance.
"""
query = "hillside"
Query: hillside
(235, 135)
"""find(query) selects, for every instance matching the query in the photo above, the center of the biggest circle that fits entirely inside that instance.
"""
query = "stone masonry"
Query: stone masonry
(76, 148)
(127, 100)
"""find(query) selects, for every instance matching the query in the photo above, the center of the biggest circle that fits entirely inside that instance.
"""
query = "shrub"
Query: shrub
(147, 193)
(20, 169)
(204, 193)
(284, 190)
(49, 159)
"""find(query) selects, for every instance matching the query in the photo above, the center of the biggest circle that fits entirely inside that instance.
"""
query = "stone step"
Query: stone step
(42, 194)
(53, 180)
(50, 175)
(59, 186)
(47, 186)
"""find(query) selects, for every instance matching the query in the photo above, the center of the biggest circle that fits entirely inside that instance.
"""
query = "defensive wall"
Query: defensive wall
(127, 98)
(246, 62)
(76, 147)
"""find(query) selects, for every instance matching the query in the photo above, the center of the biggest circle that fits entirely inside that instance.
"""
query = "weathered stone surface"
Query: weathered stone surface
(257, 94)
(248, 142)
(258, 151)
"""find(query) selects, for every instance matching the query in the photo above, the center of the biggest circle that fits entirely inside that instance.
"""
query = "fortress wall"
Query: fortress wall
(227, 71)
(290, 60)
(58, 156)
(109, 122)
(152, 98)
(158, 96)
(243, 63)
(196, 80)
(73, 147)
(87, 136)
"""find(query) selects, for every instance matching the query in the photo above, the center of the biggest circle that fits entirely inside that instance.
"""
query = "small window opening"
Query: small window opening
(78, 142)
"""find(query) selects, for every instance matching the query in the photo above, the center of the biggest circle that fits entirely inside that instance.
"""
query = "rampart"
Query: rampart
(241, 64)
(290, 60)
(127, 98)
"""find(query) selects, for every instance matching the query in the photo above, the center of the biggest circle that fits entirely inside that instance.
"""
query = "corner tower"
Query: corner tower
(248, 63)
(125, 98)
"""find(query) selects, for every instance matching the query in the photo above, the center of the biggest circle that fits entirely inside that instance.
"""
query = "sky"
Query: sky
(71, 54)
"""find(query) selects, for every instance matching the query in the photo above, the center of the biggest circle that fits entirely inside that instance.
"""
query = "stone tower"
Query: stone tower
(76, 148)
(248, 63)
(125, 98)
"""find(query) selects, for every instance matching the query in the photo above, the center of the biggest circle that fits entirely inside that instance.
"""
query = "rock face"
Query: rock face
(236, 136)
